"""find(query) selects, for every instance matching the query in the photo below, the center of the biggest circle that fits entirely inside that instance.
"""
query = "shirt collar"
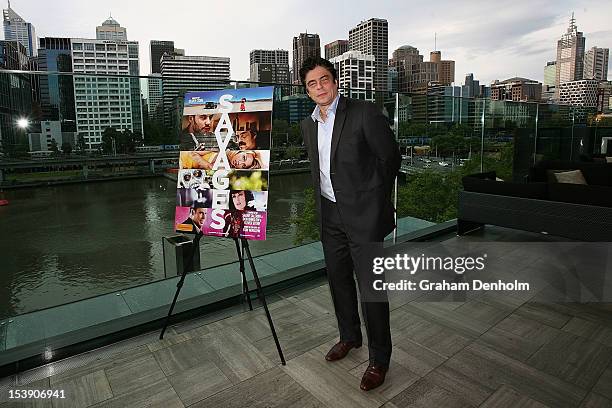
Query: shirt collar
(316, 113)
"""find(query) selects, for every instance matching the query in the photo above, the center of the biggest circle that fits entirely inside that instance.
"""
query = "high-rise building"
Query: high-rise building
(17, 29)
(550, 72)
(270, 66)
(446, 68)
(336, 48)
(182, 74)
(549, 88)
(111, 30)
(596, 64)
(581, 93)
(471, 88)
(56, 90)
(392, 80)
(13, 55)
(155, 103)
(604, 97)
(570, 55)
(15, 92)
(372, 38)
(304, 46)
(158, 48)
(105, 101)
(403, 59)
(516, 89)
(355, 75)
(423, 76)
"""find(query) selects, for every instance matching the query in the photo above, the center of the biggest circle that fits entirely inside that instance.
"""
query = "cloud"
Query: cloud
(489, 38)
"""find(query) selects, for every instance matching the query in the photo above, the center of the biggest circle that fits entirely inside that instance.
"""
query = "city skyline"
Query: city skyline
(512, 40)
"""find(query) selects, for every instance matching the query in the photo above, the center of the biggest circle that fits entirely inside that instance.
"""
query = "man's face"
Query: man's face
(243, 160)
(199, 216)
(320, 86)
(203, 124)
(239, 200)
(246, 140)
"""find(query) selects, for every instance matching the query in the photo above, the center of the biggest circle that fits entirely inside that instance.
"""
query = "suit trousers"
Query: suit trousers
(342, 256)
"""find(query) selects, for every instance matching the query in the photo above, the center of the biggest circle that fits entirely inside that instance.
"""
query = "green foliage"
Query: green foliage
(66, 148)
(54, 147)
(307, 225)
(156, 134)
(430, 196)
(293, 152)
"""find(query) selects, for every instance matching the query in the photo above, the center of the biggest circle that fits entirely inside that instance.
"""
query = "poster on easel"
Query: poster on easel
(224, 163)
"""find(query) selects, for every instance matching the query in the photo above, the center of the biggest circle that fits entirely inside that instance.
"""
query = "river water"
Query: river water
(64, 243)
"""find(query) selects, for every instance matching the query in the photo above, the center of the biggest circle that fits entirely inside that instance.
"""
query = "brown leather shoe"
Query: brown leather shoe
(373, 377)
(340, 350)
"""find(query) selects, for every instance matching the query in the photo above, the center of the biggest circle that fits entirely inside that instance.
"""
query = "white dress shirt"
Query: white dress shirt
(324, 138)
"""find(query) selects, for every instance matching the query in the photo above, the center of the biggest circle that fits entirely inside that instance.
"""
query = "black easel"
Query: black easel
(245, 288)
(186, 268)
(260, 294)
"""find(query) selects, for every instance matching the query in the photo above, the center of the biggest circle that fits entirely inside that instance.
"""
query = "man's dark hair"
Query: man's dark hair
(311, 63)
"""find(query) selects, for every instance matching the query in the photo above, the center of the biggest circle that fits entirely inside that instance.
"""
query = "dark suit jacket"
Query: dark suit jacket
(365, 160)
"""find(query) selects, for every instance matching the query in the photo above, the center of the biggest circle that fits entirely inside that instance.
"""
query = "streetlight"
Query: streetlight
(23, 123)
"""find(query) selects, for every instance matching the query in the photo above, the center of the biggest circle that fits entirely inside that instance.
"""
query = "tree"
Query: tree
(430, 196)
(156, 134)
(293, 152)
(66, 148)
(307, 226)
(81, 143)
(110, 136)
(54, 147)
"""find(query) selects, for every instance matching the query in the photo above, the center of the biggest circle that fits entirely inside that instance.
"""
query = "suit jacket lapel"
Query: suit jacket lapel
(313, 132)
(338, 125)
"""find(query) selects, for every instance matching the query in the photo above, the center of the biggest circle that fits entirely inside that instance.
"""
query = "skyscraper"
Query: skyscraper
(596, 64)
(335, 48)
(111, 30)
(570, 55)
(17, 29)
(15, 92)
(182, 74)
(550, 72)
(270, 66)
(355, 75)
(446, 68)
(155, 103)
(57, 91)
(159, 48)
(304, 45)
(403, 59)
(372, 38)
(471, 88)
(105, 101)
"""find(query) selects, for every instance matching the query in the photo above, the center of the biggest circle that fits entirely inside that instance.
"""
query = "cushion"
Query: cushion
(608, 159)
(599, 174)
(505, 188)
(570, 177)
(581, 194)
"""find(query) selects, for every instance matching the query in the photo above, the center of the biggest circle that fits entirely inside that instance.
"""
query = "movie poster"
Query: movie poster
(222, 186)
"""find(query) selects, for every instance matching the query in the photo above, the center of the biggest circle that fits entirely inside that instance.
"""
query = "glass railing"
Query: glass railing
(67, 237)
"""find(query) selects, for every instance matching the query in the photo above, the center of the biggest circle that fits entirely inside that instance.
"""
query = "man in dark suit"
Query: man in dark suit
(354, 160)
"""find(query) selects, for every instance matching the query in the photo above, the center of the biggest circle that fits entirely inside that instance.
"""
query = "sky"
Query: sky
(493, 39)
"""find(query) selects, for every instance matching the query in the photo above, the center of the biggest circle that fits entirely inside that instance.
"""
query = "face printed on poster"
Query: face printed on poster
(222, 188)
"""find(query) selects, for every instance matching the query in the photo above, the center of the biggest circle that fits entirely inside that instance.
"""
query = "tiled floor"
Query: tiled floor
(488, 351)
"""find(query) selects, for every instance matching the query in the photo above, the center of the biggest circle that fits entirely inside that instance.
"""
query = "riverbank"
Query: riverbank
(111, 177)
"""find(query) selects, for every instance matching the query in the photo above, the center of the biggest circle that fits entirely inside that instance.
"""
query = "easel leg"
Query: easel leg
(179, 285)
(262, 298)
(245, 285)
